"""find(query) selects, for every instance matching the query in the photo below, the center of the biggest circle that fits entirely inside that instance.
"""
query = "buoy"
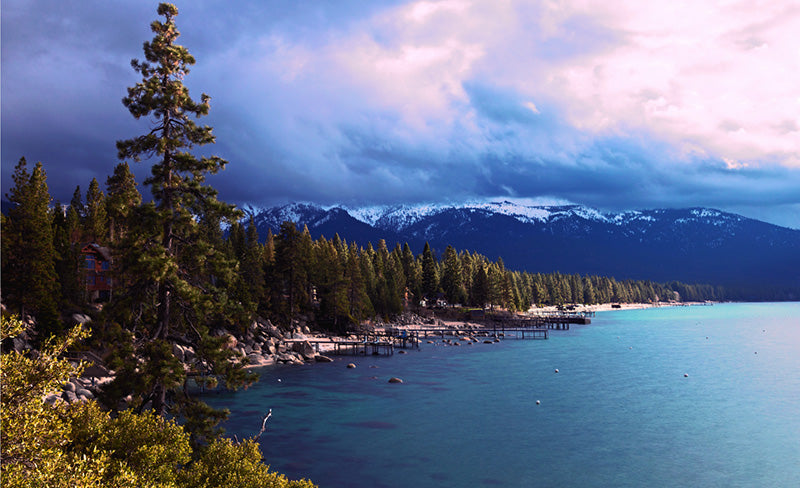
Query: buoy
(685, 375)
(556, 370)
(279, 380)
(351, 365)
(538, 402)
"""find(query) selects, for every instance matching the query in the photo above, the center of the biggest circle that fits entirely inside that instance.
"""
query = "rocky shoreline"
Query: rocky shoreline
(264, 344)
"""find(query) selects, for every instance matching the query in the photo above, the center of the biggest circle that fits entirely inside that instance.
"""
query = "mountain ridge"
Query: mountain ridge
(697, 244)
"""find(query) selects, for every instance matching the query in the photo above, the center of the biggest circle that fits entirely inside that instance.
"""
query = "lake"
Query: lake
(620, 411)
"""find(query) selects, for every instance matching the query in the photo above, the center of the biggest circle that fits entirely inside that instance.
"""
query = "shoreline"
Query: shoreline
(460, 327)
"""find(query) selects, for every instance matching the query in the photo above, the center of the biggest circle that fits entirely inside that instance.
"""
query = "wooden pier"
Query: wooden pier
(497, 332)
(363, 348)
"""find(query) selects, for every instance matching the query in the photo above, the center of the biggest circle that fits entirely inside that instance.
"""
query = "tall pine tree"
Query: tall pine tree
(171, 252)
(29, 280)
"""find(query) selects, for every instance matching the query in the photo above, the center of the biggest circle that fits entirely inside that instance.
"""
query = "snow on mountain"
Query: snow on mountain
(400, 217)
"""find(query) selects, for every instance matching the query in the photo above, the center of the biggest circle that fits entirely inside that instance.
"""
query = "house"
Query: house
(97, 270)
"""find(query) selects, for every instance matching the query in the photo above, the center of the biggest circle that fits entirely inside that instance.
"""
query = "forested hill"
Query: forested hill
(689, 245)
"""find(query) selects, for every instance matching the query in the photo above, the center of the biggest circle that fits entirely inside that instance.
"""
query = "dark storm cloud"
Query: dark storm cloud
(398, 102)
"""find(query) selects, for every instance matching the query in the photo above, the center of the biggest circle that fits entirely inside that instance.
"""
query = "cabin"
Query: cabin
(97, 270)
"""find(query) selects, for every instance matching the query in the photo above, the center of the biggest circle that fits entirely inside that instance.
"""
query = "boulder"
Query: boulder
(83, 392)
(81, 318)
(322, 359)
(70, 386)
(53, 399)
(351, 365)
(178, 352)
(69, 396)
(305, 348)
(232, 342)
(395, 379)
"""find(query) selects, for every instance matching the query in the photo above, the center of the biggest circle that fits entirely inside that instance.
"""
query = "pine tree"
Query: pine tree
(29, 280)
(451, 281)
(430, 280)
(68, 257)
(123, 198)
(291, 266)
(96, 226)
(176, 267)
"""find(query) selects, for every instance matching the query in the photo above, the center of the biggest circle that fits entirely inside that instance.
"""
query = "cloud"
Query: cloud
(618, 105)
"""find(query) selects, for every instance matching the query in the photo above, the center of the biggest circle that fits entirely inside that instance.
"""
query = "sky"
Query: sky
(617, 105)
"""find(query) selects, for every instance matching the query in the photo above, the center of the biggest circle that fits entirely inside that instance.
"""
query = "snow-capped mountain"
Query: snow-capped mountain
(690, 245)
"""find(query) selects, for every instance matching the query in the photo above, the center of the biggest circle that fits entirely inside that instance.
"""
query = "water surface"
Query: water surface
(620, 412)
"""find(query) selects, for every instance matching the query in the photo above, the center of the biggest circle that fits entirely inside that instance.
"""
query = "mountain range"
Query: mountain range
(693, 245)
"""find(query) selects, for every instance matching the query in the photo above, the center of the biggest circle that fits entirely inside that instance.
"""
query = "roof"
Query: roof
(97, 248)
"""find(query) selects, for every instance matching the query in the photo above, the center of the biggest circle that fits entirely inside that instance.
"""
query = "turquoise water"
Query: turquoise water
(619, 412)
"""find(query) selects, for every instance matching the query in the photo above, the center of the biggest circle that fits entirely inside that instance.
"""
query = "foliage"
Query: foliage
(35, 434)
(226, 464)
(81, 445)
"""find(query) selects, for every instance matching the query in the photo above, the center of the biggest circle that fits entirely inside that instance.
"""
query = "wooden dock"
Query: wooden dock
(497, 332)
(363, 348)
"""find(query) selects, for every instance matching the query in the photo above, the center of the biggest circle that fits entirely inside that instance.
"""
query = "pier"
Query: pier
(497, 332)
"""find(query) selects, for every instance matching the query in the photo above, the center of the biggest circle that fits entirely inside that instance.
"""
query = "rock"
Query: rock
(83, 392)
(69, 396)
(256, 348)
(351, 365)
(53, 399)
(402, 351)
(487, 341)
(305, 348)
(247, 349)
(322, 359)
(81, 318)
(232, 342)
(395, 379)
(70, 386)
(272, 349)
(178, 352)
(20, 344)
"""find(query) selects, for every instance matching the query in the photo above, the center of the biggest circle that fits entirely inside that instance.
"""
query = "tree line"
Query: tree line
(331, 283)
